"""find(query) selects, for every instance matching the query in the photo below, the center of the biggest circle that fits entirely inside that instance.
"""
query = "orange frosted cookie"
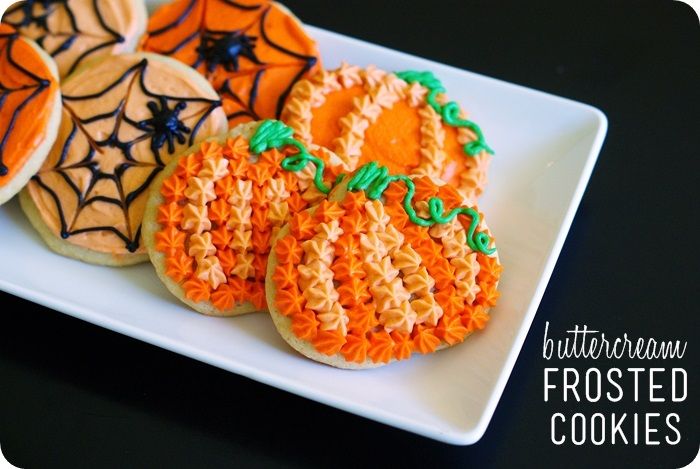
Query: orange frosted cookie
(388, 266)
(214, 212)
(122, 120)
(403, 121)
(74, 32)
(30, 109)
(252, 52)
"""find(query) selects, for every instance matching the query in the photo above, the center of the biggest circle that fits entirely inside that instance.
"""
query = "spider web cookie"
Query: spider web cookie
(251, 52)
(120, 127)
(30, 105)
(75, 31)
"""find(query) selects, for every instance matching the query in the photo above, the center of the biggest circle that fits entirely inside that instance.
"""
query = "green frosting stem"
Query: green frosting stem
(275, 134)
(374, 179)
(449, 111)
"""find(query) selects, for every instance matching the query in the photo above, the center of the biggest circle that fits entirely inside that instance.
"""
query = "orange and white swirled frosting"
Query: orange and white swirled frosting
(365, 115)
(357, 278)
(221, 208)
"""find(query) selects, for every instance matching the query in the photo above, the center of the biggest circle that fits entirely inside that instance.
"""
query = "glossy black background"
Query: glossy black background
(75, 395)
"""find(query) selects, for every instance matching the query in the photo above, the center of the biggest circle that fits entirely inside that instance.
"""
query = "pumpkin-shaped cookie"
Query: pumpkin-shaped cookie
(123, 119)
(30, 105)
(403, 121)
(252, 51)
(75, 32)
(388, 266)
(213, 213)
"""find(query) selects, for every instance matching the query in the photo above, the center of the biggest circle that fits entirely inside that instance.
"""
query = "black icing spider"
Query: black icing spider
(224, 48)
(165, 126)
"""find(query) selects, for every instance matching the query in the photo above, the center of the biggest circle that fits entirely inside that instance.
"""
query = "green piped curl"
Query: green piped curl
(448, 111)
(374, 179)
(275, 134)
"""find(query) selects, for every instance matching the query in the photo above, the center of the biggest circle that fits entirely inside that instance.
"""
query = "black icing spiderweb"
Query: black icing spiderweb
(110, 158)
(227, 49)
(32, 17)
(35, 86)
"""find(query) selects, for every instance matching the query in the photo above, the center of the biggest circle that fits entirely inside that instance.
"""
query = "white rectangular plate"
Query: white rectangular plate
(545, 150)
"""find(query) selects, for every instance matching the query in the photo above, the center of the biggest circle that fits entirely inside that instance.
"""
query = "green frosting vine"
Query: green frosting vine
(448, 111)
(374, 179)
(275, 134)
(371, 178)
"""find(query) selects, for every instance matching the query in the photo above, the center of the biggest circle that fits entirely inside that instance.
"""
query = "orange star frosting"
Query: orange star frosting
(372, 286)
(179, 266)
(188, 166)
(348, 268)
(173, 188)
(329, 342)
(302, 225)
(221, 237)
(381, 347)
(476, 318)
(223, 298)
(169, 214)
(329, 211)
(355, 349)
(305, 325)
(197, 290)
(354, 201)
(425, 340)
(288, 250)
(285, 275)
(347, 246)
(170, 240)
(290, 302)
(451, 330)
(353, 292)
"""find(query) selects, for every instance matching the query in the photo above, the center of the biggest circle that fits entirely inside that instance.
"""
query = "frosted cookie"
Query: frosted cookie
(388, 266)
(213, 213)
(123, 119)
(252, 52)
(76, 31)
(403, 121)
(30, 105)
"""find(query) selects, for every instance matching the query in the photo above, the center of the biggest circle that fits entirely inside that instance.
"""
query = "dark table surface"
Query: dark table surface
(75, 395)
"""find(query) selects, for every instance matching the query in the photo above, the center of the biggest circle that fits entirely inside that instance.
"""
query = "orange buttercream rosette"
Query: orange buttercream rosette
(252, 52)
(369, 114)
(213, 214)
(354, 283)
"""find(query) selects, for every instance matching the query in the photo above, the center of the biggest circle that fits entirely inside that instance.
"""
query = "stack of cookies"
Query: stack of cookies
(209, 139)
